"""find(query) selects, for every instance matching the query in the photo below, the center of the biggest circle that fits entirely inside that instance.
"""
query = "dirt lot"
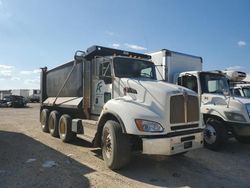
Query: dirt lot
(31, 158)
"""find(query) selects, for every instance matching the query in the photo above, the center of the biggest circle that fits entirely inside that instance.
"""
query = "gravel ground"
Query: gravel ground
(31, 158)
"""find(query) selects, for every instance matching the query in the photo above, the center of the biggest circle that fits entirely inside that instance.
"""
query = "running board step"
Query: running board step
(89, 129)
(86, 129)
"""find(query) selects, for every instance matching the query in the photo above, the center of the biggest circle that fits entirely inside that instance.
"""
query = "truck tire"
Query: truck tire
(243, 139)
(44, 119)
(53, 123)
(116, 148)
(64, 129)
(215, 134)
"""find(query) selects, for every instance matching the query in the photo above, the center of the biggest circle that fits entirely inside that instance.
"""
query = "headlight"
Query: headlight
(248, 109)
(148, 126)
(235, 116)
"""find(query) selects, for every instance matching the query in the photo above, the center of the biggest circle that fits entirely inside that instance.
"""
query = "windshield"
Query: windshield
(213, 83)
(133, 68)
(246, 91)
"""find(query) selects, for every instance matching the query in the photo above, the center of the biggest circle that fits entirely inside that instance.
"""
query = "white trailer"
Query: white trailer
(223, 114)
(170, 64)
(20, 92)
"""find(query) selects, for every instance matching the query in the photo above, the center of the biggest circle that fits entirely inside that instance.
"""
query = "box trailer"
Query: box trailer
(112, 99)
(20, 92)
(170, 64)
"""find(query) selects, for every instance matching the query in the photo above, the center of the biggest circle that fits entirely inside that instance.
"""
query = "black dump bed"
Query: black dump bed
(56, 77)
(104, 51)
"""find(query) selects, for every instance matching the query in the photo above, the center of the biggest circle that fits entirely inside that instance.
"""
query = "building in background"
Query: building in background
(4, 93)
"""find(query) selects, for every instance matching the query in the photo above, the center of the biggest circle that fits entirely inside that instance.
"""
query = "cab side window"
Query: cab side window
(237, 93)
(189, 82)
(105, 69)
(147, 72)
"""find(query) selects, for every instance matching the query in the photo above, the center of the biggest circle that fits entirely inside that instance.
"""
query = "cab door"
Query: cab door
(101, 85)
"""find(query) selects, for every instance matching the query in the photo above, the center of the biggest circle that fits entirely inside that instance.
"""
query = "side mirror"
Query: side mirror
(79, 55)
(106, 79)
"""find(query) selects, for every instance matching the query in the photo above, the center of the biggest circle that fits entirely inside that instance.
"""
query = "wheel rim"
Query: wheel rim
(43, 120)
(209, 134)
(51, 125)
(62, 128)
(107, 144)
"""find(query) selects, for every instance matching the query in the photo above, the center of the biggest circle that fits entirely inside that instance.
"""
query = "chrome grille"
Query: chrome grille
(184, 109)
(192, 108)
(177, 112)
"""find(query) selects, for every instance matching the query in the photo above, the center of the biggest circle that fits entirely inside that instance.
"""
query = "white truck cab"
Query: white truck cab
(241, 90)
(238, 86)
(223, 114)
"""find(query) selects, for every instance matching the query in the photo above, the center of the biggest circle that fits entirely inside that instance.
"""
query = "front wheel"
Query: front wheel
(116, 149)
(215, 134)
(243, 139)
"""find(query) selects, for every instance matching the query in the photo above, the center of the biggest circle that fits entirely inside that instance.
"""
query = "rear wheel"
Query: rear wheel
(116, 149)
(215, 134)
(53, 123)
(243, 139)
(64, 129)
(44, 119)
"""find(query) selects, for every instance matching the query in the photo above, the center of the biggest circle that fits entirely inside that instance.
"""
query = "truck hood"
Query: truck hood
(218, 99)
(152, 93)
(218, 105)
(243, 100)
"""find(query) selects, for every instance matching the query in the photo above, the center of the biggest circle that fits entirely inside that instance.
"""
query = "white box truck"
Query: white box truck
(223, 114)
(34, 95)
(112, 99)
(20, 92)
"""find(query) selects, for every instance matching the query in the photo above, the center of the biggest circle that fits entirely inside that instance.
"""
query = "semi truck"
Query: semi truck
(112, 99)
(223, 114)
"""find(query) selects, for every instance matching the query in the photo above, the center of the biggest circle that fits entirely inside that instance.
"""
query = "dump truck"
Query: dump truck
(112, 99)
(223, 114)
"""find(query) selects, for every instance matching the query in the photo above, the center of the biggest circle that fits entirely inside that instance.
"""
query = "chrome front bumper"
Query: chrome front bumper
(172, 145)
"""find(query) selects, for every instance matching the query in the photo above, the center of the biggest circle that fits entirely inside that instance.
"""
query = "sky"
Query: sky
(35, 33)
